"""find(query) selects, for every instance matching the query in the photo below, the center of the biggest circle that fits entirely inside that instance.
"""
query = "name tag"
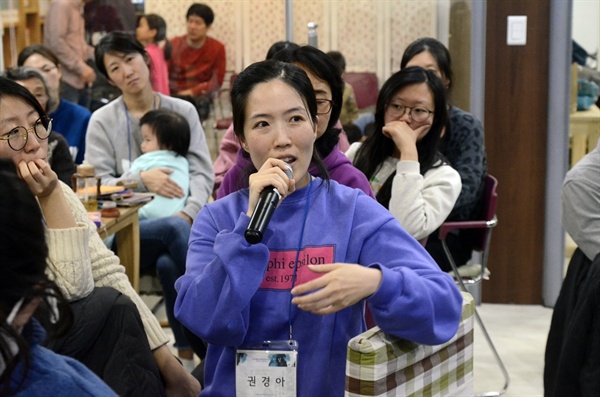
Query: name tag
(267, 370)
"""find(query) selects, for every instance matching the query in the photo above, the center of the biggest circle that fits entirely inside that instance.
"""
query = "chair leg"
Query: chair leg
(483, 329)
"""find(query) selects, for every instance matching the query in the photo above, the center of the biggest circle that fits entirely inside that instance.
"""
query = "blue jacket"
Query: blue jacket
(235, 294)
(51, 374)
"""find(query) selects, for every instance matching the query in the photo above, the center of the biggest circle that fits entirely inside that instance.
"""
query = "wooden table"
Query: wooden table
(126, 227)
(585, 132)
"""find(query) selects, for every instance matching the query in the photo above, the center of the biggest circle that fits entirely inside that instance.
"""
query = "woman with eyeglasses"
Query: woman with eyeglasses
(59, 156)
(69, 118)
(329, 88)
(114, 333)
(463, 145)
(26, 367)
(400, 156)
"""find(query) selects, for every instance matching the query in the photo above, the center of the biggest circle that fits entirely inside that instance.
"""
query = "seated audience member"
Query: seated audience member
(27, 368)
(89, 275)
(114, 141)
(69, 118)
(349, 113)
(152, 33)
(197, 64)
(462, 145)
(229, 146)
(401, 158)
(59, 157)
(165, 142)
(233, 298)
(328, 86)
(573, 347)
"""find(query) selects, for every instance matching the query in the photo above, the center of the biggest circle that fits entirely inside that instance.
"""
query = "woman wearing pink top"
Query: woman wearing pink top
(152, 33)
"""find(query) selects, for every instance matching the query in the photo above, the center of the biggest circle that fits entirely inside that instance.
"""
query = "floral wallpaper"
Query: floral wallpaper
(356, 28)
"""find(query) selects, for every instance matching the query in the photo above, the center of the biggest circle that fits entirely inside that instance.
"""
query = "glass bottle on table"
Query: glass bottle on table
(86, 186)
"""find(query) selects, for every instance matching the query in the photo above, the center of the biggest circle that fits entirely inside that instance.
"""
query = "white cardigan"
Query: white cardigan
(78, 261)
(421, 203)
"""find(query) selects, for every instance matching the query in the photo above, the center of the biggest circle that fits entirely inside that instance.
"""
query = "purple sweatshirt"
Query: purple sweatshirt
(236, 294)
(338, 166)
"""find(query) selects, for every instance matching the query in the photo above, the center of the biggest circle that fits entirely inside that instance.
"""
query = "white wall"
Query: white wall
(586, 25)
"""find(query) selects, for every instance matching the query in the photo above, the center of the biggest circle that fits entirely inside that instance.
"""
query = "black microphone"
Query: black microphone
(267, 202)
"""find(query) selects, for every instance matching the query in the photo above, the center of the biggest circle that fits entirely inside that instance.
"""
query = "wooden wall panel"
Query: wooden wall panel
(516, 102)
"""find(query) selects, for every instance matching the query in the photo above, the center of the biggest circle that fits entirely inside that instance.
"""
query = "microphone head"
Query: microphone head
(289, 172)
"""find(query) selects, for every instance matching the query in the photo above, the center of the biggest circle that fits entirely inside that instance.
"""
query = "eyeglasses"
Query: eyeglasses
(324, 106)
(417, 113)
(18, 136)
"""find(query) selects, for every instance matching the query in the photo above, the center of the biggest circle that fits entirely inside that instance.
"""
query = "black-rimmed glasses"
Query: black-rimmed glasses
(324, 106)
(18, 136)
(417, 113)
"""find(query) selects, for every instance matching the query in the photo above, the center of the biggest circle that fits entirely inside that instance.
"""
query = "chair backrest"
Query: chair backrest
(366, 87)
(490, 201)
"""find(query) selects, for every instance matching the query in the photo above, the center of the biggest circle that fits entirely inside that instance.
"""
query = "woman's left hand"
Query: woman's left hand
(340, 286)
(178, 382)
(38, 175)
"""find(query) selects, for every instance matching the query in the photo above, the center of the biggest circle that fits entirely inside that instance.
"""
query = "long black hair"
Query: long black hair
(23, 271)
(377, 147)
(262, 72)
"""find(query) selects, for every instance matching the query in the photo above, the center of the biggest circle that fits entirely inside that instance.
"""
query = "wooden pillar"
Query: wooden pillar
(516, 111)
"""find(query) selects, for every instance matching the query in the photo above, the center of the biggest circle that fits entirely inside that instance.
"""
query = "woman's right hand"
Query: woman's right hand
(157, 181)
(272, 173)
(38, 175)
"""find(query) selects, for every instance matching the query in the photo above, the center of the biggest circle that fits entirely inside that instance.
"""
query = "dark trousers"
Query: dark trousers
(108, 337)
(572, 357)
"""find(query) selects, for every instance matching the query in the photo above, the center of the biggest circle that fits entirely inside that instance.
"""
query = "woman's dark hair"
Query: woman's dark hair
(10, 88)
(115, 43)
(171, 129)
(22, 73)
(157, 23)
(203, 11)
(323, 68)
(37, 49)
(377, 147)
(280, 46)
(338, 59)
(263, 72)
(23, 270)
(438, 51)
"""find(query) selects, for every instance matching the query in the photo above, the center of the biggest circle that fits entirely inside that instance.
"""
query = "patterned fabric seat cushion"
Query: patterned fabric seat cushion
(381, 365)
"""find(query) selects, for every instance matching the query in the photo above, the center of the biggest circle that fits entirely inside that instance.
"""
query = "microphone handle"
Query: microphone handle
(267, 202)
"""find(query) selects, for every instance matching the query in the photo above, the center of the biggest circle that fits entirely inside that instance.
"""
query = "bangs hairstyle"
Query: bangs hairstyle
(377, 147)
(323, 68)
(264, 72)
(171, 129)
(10, 88)
(438, 51)
(117, 43)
